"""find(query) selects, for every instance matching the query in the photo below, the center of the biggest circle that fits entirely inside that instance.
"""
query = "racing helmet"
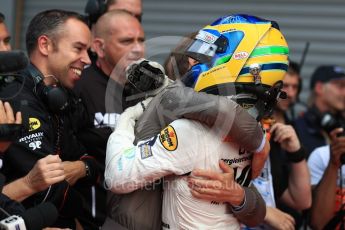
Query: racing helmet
(243, 53)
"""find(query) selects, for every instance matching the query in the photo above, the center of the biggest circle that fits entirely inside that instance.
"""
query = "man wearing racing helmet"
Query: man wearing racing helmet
(223, 68)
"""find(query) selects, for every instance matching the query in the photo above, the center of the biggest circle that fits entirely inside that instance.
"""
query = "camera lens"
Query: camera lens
(329, 123)
(12, 90)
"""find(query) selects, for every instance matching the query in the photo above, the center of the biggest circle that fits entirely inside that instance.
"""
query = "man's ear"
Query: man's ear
(44, 44)
(98, 47)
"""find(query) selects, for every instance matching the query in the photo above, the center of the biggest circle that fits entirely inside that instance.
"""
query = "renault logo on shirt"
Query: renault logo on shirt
(34, 124)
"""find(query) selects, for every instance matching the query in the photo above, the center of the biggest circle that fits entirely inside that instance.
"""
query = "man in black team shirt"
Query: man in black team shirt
(57, 43)
(118, 41)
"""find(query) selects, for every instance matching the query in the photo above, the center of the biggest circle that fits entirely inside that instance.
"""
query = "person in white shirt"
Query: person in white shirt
(327, 179)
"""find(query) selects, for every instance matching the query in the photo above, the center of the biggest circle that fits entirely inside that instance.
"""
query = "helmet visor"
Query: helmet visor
(201, 51)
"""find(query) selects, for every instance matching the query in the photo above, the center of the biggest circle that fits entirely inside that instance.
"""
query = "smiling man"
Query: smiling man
(57, 43)
(60, 54)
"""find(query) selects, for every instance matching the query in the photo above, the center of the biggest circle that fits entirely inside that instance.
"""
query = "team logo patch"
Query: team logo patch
(145, 151)
(34, 124)
(145, 147)
(168, 138)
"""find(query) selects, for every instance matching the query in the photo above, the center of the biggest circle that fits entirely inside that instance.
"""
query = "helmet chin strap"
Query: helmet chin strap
(253, 101)
(255, 105)
(268, 100)
(248, 102)
(257, 99)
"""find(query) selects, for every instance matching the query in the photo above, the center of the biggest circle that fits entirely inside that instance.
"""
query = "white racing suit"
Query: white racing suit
(141, 209)
(179, 148)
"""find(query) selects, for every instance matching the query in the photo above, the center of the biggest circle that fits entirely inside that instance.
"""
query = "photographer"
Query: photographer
(7, 117)
(38, 178)
(327, 174)
(45, 172)
(328, 96)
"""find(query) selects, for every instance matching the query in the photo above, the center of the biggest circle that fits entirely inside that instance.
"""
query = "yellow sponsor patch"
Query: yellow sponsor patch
(34, 124)
(168, 138)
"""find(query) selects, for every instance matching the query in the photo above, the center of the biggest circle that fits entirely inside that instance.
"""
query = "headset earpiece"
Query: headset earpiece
(54, 97)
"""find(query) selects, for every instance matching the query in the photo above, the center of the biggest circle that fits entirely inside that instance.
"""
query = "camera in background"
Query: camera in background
(329, 123)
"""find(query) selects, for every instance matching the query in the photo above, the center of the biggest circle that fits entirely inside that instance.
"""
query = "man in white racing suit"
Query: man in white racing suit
(179, 148)
(211, 110)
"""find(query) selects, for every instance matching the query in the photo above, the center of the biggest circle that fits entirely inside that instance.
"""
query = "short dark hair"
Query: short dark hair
(2, 18)
(112, 2)
(294, 68)
(48, 23)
